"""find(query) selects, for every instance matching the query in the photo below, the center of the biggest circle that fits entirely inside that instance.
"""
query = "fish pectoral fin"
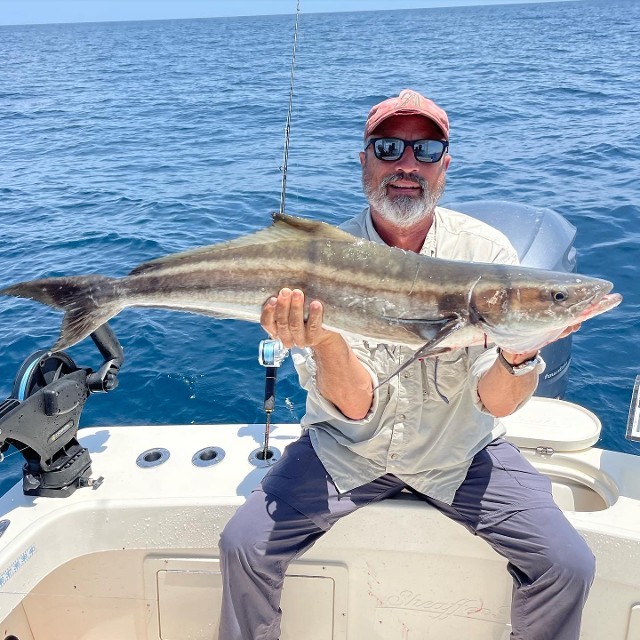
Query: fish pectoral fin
(427, 328)
(430, 348)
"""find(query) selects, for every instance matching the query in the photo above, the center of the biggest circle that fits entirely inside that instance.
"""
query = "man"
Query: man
(431, 429)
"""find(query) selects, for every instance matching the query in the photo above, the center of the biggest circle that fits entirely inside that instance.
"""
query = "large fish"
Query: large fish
(368, 289)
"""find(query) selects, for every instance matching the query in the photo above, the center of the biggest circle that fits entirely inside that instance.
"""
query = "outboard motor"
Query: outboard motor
(543, 240)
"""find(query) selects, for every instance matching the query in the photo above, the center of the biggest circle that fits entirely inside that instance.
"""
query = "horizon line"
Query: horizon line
(264, 15)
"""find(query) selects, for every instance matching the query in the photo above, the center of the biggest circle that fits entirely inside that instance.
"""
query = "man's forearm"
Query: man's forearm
(342, 379)
(502, 393)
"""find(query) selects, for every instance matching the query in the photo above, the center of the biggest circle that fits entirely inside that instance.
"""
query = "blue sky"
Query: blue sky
(46, 11)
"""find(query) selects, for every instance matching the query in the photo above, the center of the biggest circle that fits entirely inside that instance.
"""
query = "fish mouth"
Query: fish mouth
(590, 295)
(599, 304)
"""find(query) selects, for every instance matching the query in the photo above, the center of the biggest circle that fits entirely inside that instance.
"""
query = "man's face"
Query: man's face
(404, 191)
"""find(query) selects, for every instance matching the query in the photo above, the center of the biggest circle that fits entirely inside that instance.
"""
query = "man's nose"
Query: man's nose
(407, 161)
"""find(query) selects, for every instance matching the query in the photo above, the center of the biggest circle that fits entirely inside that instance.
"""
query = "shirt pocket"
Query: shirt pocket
(447, 376)
(384, 359)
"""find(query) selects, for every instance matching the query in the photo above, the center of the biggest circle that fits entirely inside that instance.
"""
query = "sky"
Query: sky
(49, 11)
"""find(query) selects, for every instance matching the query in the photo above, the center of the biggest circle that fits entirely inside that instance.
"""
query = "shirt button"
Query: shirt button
(402, 416)
(407, 375)
(394, 456)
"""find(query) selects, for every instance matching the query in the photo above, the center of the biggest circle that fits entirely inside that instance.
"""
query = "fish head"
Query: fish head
(527, 308)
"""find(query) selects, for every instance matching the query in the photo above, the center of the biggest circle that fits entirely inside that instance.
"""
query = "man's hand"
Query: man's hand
(502, 393)
(517, 358)
(341, 378)
(569, 330)
(283, 318)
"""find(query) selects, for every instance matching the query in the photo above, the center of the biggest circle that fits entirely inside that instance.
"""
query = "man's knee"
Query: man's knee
(577, 562)
(240, 537)
(229, 543)
(550, 552)
(570, 561)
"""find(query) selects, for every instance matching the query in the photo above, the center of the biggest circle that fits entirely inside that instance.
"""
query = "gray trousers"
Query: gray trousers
(503, 499)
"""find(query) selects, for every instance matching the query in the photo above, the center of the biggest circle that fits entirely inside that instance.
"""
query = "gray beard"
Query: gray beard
(403, 211)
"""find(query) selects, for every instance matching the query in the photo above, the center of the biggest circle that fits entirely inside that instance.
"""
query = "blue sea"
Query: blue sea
(121, 142)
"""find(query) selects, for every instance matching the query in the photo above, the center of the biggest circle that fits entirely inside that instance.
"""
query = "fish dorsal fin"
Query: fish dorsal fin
(284, 227)
(292, 224)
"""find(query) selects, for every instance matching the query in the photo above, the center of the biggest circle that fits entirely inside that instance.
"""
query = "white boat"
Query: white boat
(130, 549)
(136, 557)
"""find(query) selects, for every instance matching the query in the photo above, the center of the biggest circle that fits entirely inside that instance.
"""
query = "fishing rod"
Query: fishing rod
(271, 353)
(287, 128)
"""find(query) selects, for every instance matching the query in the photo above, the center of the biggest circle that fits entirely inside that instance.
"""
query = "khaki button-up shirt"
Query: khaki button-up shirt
(427, 423)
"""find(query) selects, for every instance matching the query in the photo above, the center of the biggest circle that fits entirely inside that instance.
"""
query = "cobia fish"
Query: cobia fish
(367, 289)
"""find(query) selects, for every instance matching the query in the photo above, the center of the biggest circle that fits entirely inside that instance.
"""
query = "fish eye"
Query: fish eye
(560, 296)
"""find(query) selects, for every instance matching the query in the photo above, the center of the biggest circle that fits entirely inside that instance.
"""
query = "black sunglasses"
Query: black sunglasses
(391, 149)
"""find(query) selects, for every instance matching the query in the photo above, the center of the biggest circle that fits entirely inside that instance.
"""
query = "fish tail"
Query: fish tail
(87, 301)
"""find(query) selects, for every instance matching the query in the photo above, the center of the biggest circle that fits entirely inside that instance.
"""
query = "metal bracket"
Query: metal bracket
(545, 451)
(633, 421)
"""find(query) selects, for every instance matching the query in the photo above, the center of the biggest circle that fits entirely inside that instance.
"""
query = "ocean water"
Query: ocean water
(121, 142)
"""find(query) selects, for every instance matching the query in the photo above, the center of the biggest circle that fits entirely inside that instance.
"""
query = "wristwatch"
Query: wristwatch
(522, 368)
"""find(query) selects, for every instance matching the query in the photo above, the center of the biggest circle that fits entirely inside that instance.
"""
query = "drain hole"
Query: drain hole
(153, 456)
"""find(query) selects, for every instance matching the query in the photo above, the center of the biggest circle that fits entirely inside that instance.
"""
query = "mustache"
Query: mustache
(401, 175)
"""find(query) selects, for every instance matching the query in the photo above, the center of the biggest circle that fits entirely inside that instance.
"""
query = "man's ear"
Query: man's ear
(361, 154)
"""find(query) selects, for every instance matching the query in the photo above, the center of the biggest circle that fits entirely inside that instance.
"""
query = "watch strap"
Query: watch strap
(522, 367)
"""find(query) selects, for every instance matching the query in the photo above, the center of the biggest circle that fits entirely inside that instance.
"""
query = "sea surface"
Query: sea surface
(121, 142)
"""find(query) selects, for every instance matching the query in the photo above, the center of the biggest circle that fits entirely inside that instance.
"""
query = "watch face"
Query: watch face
(526, 367)
(523, 368)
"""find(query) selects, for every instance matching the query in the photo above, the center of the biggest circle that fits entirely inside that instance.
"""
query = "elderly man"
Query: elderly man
(431, 430)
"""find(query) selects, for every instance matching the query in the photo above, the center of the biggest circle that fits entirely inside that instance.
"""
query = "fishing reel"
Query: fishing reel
(271, 354)
(41, 416)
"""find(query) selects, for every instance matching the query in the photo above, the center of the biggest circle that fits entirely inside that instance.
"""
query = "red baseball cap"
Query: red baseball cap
(408, 103)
